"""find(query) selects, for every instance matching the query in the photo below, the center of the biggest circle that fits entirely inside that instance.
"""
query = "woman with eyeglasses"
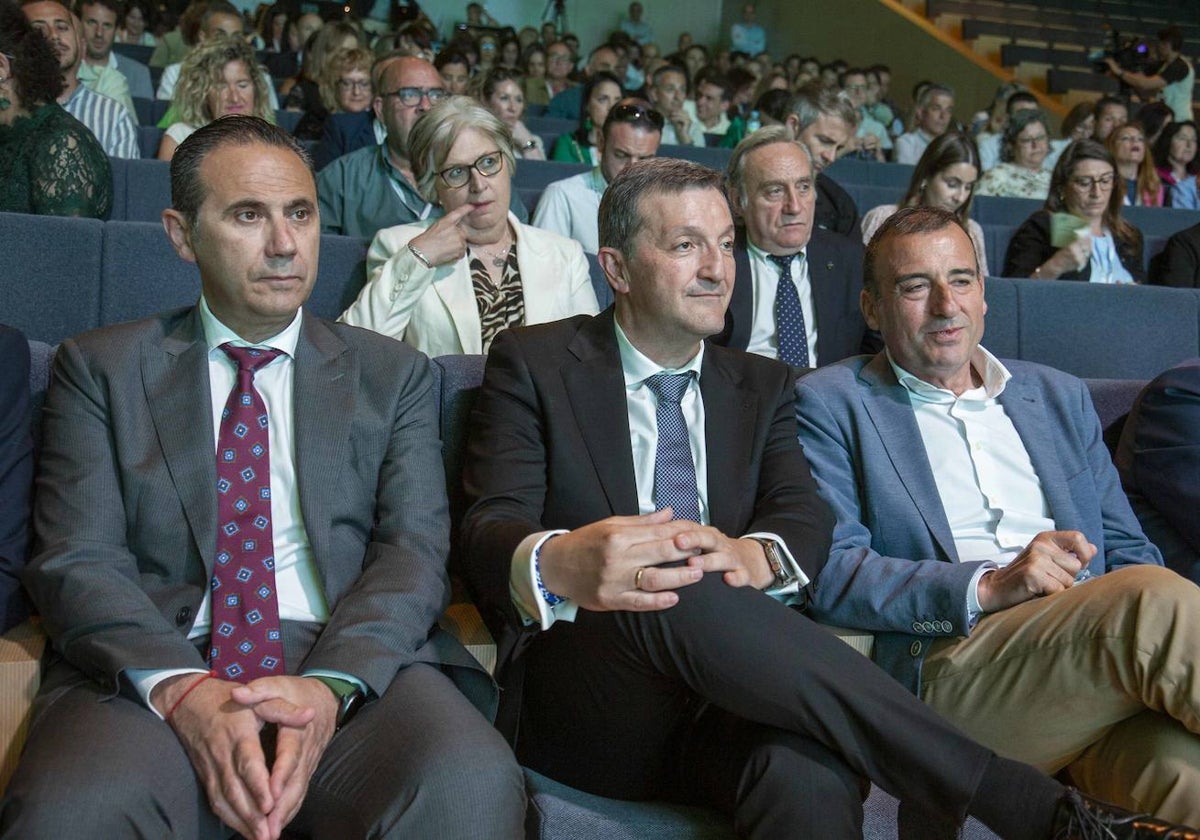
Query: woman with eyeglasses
(502, 92)
(1135, 166)
(944, 177)
(1023, 150)
(1096, 245)
(600, 94)
(1175, 154)
(345, 88)
(450, 285)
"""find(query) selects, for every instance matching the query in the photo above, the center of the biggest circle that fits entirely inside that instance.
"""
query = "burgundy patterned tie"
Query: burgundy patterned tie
(246, 642)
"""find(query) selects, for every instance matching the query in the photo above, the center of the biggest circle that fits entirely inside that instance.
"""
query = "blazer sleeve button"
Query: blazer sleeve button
(914, 650)
(183, 616)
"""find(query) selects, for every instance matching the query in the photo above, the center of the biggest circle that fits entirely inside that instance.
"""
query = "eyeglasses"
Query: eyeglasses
(1131, 138)
(410, 96)
(636, 113)
(355, 84)
(1085, 184)
(559, 58)
(455, 177)
(1033, 141)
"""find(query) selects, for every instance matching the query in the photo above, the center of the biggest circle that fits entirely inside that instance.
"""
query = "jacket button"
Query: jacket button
(914, 650)
(916, 627)
(947, 627)
(183, 616)
(926, 627)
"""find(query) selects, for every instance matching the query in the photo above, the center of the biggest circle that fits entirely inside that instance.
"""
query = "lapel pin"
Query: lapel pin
(829, 266)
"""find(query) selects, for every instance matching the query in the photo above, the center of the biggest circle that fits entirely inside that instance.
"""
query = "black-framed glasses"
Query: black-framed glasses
(356, 84)
(627, 113)
(410, 96)
(455, 177)
(1084, 184)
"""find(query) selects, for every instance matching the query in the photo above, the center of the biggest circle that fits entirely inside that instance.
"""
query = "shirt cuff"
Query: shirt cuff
(802, 579)
(338, 675)
(144, 681)
(974, 611)
(523, 588)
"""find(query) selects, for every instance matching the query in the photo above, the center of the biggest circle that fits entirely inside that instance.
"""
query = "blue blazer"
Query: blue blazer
(893, 568)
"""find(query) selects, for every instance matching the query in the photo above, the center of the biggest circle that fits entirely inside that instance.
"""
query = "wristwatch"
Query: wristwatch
(349, 696)
(784, 576)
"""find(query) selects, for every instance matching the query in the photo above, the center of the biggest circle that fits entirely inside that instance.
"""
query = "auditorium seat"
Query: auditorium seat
(147, 190)
(149, 138)
(715, 158)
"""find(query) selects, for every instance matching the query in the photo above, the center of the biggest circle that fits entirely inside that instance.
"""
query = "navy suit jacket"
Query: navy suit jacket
(893, 568)
(1159, 462)
(16, 474)
(344, 133)
(835, 274)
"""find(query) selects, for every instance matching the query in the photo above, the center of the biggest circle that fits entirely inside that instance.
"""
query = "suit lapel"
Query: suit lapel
(455, 290)
(827, 298)
(595, 386)
(1027, 411)
(730, 414)
(323, 399)
(739, 319)
(175, 378)
(891, 413)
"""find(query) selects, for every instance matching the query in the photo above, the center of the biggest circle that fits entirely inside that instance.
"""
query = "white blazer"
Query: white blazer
(434, 309)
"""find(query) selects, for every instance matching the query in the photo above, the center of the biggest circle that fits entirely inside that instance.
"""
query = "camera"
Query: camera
(1132, 54)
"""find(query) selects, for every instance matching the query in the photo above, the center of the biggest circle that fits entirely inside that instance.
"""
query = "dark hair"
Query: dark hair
(1104, 101)
(112, 5)
(1075, 154)
(451, 55)
(1173, 36)
(1162, 148)
(907, 221)
(187, 187)
(1153, 116)
(36, 76)
(1010, 107)
(670, 67)
(620, 216)
(589, 87)
(635, 112)
(774, 103)
(528, 53)
(850, 71)
(1076, 116)
(217, 7)
(948, 150)
(1017, 123)
(482, 87)
(710, 75)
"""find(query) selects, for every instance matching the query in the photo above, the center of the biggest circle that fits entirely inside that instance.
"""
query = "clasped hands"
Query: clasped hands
(1049, 564)
(219, 724)
(597, 566)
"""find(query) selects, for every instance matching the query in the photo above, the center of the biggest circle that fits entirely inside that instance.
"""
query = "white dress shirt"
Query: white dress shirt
(765, 274)
(990, 492)
(643, 436)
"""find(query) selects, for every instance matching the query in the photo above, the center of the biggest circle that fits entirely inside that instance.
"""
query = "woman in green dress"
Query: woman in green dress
(50, 163)
(601, 92)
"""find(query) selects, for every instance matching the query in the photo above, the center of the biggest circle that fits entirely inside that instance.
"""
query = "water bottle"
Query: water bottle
(754, 123)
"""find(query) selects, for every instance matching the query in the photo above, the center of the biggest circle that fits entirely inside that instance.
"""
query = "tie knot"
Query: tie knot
(784, 262)
(250, 359)
(669, 387)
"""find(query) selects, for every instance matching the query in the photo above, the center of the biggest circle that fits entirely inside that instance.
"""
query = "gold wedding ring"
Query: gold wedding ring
(637, 577)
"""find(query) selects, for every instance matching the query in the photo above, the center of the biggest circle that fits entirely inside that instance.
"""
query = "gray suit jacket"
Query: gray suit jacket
(893, 568)
(137, 75)
(125, 518)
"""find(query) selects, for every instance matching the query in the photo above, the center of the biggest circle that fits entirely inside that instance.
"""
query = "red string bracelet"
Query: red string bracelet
(190, 689)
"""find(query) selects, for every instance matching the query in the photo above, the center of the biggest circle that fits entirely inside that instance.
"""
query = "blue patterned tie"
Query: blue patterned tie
(246, 641)
(674, 470)
(789, 317)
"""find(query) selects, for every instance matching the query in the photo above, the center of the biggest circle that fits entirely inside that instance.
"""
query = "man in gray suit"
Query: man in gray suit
(358, 731)
(982, 535)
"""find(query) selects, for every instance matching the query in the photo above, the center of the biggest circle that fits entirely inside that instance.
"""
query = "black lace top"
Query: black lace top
(52, 165)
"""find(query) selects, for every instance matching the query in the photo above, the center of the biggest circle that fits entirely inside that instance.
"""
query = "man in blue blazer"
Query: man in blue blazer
(982, 535)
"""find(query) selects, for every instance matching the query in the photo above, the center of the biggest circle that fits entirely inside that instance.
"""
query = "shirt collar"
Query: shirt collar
(216, 333)
(638, 367)
(762, 256)
(995, 377)
(596, 180)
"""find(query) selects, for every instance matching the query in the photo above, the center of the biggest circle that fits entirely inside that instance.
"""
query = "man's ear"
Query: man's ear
(179, 233)
(793, 125)
(866, 302)
(613, 263)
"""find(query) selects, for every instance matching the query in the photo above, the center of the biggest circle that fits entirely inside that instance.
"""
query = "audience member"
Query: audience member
(1177, 166)
(796, 298)
(1157, 458)
(337, 595)
(748, 35)
(1019, 174)
(1153, 117)
(634, 26)
(302, 92)
(631, 132)
(449, 285)
(1179, 262)
(106, 118)
(1111, 111)
(276, 28)
(934, 111)
(347, 132)
(1085, 184)
(1175, 77)
(824, 121)
(668, 91)
(566, 103)
(345, 87)
(713, 97)
(16, 475)
(945, 178)
(455, 69)
(694, 59)
(175, 43)
(582, 145)
(533, 69)
(50, 163)
(136, 26)
(638, 675)
(500, 91)
(559, 63)
(102, 70)
(510, 54)
(973, 499)
(991, 140)
(1135, 166)
(871, 139)
(217, 17)
(1078, 124)
(217, 79)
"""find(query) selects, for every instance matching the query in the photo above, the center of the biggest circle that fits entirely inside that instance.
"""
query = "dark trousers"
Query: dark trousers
(734, 699)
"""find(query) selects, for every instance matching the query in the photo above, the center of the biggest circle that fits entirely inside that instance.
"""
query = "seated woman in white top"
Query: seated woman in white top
(1024, 147)
(450, 285)
(220, 76)
(945, 177)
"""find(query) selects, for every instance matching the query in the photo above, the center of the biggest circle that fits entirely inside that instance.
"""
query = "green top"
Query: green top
(568, 149)
(51, 165)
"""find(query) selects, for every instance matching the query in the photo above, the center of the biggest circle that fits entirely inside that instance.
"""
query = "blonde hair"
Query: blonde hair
(204, 69)
(338, 64)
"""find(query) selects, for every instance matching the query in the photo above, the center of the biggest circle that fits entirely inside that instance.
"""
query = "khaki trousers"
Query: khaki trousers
(1100, 679)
